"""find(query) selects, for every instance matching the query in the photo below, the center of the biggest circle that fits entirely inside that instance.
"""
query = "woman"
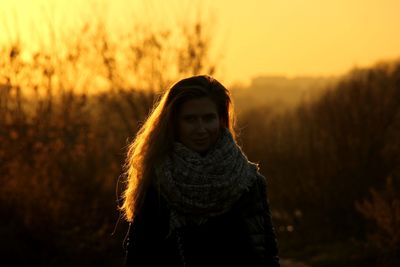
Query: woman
(192, 197)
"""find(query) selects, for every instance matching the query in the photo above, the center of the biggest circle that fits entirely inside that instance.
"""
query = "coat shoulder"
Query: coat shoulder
(253, 200)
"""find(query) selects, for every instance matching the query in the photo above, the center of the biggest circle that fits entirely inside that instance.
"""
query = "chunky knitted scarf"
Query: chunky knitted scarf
(197, 188)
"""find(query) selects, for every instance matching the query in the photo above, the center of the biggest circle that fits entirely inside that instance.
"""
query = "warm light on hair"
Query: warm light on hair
(157, 135)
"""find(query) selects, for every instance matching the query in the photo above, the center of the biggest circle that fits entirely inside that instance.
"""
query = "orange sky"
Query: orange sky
(253, 37)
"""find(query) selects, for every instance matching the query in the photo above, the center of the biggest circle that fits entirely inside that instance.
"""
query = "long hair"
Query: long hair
(155, 138)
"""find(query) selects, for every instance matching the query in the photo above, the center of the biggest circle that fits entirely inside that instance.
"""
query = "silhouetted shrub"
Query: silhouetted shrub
(323, 156)
(66, 117)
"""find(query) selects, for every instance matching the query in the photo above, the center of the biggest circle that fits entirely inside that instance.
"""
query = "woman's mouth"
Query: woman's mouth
(200, 141)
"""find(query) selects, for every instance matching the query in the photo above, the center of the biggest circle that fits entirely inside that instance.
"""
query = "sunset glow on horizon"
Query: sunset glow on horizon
(260, 37)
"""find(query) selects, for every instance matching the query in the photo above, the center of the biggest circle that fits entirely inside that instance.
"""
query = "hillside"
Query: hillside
(279, 92)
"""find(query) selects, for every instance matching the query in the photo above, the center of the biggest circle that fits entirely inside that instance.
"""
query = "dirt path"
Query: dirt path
(292, 263)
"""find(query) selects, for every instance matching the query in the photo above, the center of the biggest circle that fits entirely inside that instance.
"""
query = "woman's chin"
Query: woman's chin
(200, 148)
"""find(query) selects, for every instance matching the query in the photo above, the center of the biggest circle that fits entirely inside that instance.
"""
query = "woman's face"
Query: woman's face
(198, 124)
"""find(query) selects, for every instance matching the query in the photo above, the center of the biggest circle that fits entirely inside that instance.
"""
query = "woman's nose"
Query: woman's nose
(200, 126)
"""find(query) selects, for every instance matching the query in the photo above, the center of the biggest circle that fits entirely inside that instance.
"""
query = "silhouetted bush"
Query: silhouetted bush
(66, 117)
(323, 156)
(383, 210)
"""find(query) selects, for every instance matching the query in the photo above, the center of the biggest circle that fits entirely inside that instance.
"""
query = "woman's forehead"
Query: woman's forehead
(202, 105)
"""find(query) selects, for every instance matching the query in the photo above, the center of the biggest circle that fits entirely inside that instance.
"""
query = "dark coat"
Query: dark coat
(244, 236)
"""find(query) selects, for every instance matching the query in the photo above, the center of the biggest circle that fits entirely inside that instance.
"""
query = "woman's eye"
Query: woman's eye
(190, 119)
(209, 117)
